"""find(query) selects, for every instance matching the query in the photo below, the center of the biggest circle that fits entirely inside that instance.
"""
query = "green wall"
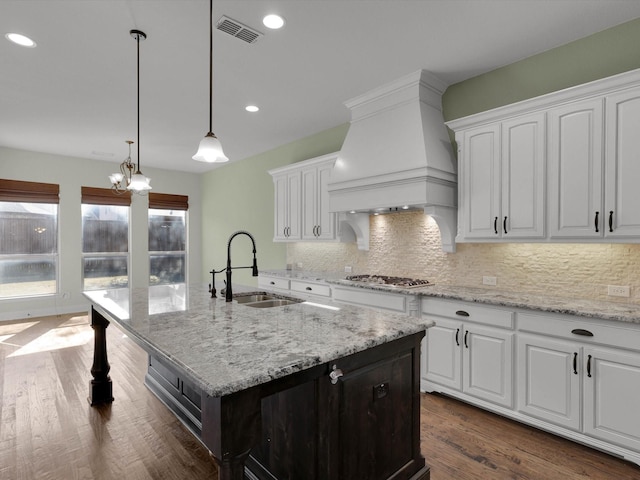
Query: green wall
(600, 55)
(239, 196)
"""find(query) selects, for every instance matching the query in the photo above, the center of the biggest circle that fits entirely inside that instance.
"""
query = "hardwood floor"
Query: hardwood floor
(48, 431)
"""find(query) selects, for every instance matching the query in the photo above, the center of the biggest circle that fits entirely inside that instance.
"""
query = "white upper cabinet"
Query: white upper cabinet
(502, 179)
(287, 206)
(560, 167)
(575, 159)
(317, 222)
(523, 175)
(622, 200)
(301, 202)
(479, 177)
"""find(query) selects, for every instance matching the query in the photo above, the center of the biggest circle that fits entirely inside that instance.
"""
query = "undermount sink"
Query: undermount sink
(262, 300)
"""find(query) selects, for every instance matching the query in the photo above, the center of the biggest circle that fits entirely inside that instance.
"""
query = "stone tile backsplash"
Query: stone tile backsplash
(408, 244)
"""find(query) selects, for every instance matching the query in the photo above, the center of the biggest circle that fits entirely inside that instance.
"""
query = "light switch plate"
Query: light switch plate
(489, 280)
(618, 291)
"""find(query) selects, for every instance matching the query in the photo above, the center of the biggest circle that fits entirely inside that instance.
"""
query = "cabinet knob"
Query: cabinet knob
(272, 282)
(308, 288)
(335, 374)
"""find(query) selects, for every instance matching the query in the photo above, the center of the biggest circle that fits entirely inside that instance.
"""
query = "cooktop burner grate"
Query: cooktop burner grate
(388, 280)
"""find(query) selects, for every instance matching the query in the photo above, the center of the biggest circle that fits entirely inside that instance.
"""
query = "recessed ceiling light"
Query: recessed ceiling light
(20, 40)
(273, 21)
(251, 108)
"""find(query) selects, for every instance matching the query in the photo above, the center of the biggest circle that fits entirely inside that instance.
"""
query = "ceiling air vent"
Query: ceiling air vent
(238, 30)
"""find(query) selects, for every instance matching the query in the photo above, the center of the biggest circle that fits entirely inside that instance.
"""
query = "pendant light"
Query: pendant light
(210, 149)
(135, 182)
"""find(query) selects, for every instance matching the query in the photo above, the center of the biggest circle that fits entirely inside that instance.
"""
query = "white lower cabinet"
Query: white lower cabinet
(549, 379)
(611, 395)
(582, 376)
(469, 351)
(395, 302)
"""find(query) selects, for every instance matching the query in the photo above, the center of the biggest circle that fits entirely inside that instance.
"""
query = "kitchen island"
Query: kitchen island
(304, 390)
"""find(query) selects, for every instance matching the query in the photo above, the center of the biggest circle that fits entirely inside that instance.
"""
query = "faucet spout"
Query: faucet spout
(253, 267)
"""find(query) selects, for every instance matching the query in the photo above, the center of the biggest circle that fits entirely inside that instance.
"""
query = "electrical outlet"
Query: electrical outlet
(618, 291)
(347, 269)
(489, 280)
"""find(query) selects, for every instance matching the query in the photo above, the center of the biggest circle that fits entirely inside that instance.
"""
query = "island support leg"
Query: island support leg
(100, 388)
(231, 427)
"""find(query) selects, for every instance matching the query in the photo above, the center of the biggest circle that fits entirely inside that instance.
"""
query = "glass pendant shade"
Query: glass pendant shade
(139, 183)
(116, 178)
(210, 150)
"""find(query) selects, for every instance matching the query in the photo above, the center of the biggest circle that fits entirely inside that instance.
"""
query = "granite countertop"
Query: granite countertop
(228, 347)
(621, 312)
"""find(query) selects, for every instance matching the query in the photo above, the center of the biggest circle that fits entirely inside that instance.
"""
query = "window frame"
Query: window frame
(105, 197)
(164, 201)
(18, 191)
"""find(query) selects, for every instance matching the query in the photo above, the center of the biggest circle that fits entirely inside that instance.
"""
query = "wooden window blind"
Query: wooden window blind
(168, 202)
(32, 192)
(105, 196)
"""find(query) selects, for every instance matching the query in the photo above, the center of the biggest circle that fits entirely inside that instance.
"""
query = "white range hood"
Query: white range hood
(398, 153)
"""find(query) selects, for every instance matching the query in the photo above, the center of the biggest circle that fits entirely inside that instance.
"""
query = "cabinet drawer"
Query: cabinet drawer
(312, 288)
(616, 334)
(273, 282)
(468, 312)
(368, 298)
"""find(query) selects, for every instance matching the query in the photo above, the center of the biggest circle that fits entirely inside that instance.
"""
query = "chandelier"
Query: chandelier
(127, 179)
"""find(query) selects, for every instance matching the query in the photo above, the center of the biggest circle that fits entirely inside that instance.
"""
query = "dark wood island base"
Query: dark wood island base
(365, 426)
(353, 418)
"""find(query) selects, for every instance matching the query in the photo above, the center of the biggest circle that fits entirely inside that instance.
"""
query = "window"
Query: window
(167, 238)
(28, 238)
(105, 239)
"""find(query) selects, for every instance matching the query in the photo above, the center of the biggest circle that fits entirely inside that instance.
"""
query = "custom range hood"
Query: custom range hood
(397, 154)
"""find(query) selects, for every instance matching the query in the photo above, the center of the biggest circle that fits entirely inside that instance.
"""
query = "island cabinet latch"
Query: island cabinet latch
(335, 374)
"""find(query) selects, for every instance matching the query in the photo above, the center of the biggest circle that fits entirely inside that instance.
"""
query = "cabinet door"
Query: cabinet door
(294, 191)
(281, 212)
(309, 204)
(622, 195)
(326, 220)
(487, 364)
(480, 180)
(611, 393)
(576, 164)
(443, 356)
(549, 373)
(376, 419)
(523, 176)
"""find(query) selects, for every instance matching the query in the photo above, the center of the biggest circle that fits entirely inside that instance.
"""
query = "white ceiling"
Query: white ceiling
(75, 94)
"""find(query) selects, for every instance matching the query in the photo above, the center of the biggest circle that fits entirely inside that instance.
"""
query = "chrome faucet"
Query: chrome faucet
(254, 267)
